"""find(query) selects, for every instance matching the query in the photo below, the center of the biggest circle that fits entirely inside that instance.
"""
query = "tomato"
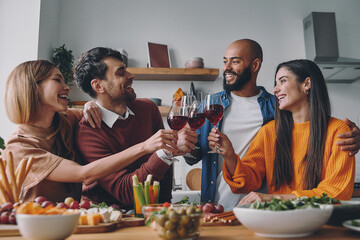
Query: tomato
(166, 204)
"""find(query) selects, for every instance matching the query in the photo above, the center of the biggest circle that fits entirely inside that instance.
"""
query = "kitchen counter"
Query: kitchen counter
(210, 232)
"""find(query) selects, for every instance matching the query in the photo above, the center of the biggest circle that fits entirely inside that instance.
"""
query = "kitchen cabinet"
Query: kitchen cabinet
(175, 74)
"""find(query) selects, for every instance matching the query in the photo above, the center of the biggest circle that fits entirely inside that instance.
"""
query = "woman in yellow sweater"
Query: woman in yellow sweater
(297, 152)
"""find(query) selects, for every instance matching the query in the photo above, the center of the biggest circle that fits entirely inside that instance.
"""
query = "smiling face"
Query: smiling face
(118, 83)
(291, 95)
(237, 66)
(54, 92)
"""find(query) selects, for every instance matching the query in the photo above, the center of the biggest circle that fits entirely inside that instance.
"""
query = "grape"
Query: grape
(208, 208)
(74, 205)
(12, 218)
(219, 208)
(6, 206)
(85, 204)
(40, 199)
(4, 218)
(46, 203)
(68, 201)
(62, 205)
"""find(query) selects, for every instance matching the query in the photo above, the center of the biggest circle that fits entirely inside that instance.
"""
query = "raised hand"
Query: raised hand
(162, 139)
(216, 138)
(92, 114)
(221, 141)
(186, 141)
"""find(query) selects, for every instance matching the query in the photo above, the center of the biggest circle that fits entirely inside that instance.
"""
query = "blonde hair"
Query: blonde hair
(22, 95)
(23, 102)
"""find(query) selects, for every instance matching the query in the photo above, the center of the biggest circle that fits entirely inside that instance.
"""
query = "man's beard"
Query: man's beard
(120, 98)
(240, 81)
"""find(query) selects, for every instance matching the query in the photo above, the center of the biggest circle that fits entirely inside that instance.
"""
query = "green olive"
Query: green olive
(184, 220)
(169, 225)
(171, 234)
(190, 210)
(173, 217)
(161, 219)
(182, 231)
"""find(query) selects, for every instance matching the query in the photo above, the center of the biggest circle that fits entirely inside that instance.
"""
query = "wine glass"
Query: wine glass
(178, 115)
(197, 118)
(214, 110)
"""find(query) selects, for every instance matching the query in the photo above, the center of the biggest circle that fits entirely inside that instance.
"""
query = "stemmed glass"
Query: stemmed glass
(178, 115)
(197, 118)
(214, 110)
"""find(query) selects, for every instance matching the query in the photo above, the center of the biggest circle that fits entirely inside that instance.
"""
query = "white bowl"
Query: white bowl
(41, 227)
(283, 224)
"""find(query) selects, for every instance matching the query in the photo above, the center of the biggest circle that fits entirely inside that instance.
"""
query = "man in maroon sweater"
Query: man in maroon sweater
(127, 122)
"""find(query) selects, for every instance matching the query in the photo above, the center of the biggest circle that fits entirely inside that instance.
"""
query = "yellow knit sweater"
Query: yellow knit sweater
(338, 167)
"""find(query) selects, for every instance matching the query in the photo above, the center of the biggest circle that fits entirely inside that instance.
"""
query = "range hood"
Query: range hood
(321, 45)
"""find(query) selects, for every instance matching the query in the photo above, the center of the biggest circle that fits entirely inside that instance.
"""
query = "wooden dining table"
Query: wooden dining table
(208, 232)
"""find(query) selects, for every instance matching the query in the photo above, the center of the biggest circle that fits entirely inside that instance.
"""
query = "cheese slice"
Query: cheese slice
(115, 216)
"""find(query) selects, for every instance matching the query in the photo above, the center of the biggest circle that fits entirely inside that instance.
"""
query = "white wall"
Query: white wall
(19, 34)
(204, 28)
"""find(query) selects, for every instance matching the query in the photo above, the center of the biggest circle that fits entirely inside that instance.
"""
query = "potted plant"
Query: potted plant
(64, 60)
(2, 144)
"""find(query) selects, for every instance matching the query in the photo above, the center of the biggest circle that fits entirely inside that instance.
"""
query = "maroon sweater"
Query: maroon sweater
(94, 144)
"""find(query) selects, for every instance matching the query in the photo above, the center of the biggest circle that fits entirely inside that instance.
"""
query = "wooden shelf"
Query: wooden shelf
(175, 74)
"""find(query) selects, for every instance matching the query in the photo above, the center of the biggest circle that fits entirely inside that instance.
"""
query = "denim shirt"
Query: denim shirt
(209, 160)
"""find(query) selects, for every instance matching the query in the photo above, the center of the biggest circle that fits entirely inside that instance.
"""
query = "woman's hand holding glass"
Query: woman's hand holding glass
(222, 142)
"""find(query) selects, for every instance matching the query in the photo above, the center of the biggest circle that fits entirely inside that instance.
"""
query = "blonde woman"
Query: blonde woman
(36, 99)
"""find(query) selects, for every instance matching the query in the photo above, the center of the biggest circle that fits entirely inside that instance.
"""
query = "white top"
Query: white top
(242, 120)
(110, 117)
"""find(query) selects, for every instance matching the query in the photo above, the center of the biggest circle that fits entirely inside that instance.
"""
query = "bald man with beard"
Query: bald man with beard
(247, 108)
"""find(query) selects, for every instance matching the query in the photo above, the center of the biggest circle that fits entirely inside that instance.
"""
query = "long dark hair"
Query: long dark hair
(319, 105)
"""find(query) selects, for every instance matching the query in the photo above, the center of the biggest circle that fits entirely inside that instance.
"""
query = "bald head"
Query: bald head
(251, 47)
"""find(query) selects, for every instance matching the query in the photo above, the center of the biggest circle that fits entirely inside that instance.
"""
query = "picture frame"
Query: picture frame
(158, 55)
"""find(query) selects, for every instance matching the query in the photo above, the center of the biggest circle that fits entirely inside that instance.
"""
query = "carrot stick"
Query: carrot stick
(152, 195)
(156, 186)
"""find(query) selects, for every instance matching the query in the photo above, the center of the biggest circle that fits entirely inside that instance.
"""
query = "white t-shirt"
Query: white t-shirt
(242, 120)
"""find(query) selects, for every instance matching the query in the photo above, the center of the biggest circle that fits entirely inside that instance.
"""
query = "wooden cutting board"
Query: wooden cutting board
(9, 230)
(220, 219)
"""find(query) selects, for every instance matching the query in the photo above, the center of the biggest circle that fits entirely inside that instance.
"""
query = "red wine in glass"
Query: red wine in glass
(196, 120)
(214, 113)
(177, 122)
